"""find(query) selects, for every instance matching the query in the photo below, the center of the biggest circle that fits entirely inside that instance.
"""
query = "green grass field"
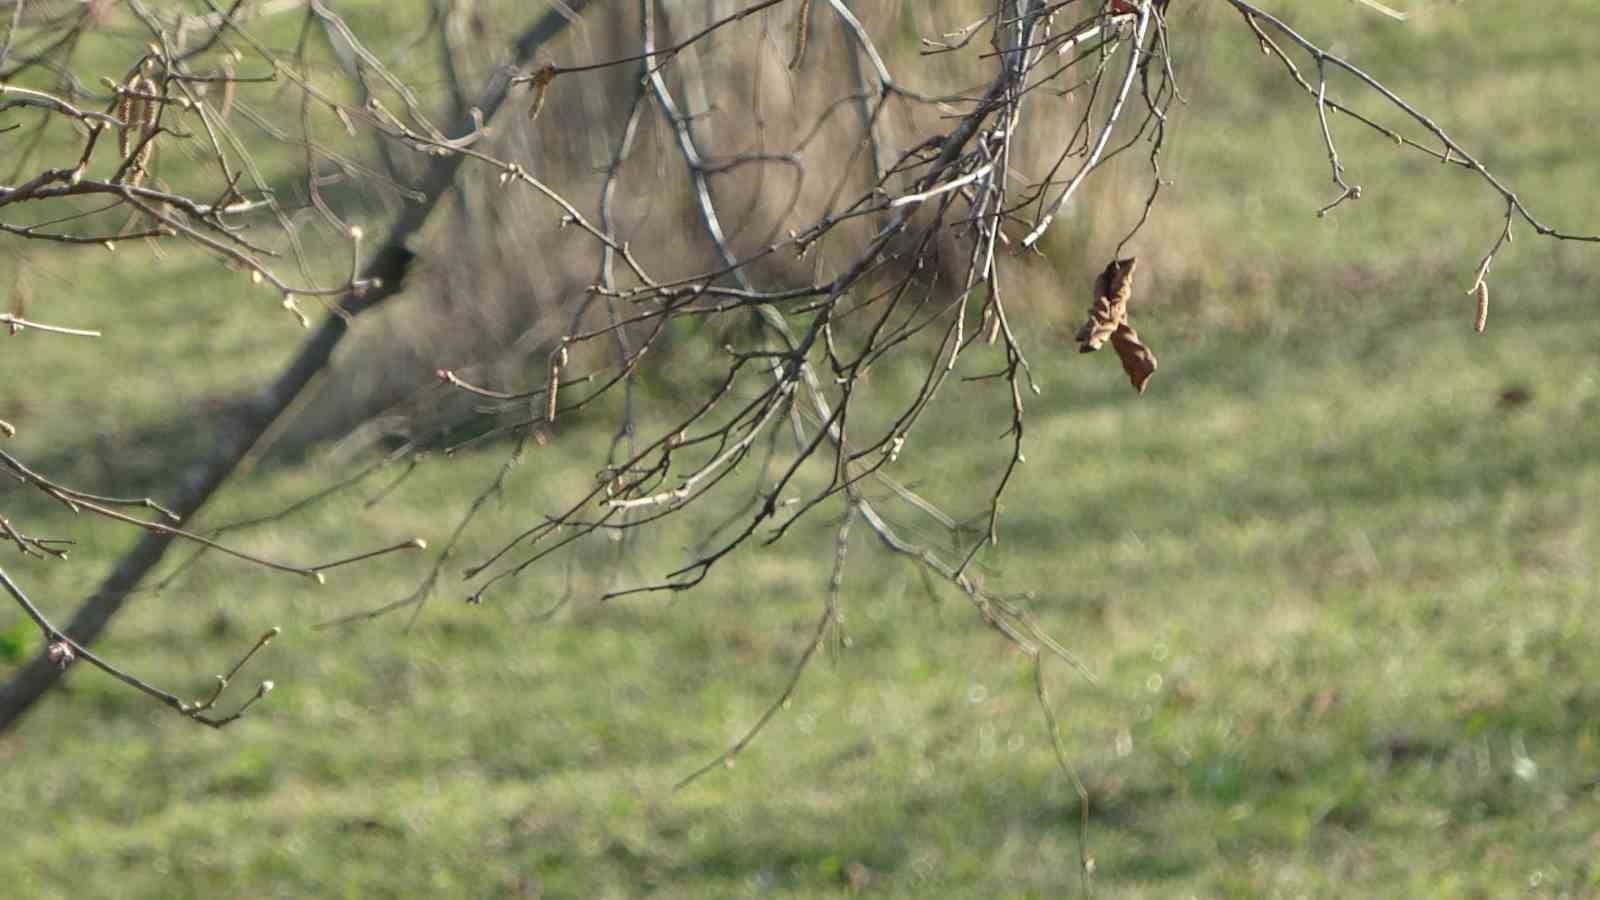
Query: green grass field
(1335, 575)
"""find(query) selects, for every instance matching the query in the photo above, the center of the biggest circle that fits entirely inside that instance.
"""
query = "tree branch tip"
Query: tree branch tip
(419, 543)
(290, 304)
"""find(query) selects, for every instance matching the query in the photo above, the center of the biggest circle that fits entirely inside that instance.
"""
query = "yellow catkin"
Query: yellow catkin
(802, 29)
(136, 107)
(124, 111)
(558, 359)
(227, 89)
(1481, 294)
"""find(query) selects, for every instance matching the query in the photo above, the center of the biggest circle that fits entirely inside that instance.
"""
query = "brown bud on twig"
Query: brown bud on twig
(60, 653)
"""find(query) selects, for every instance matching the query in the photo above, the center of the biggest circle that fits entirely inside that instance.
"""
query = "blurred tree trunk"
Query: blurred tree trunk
(235, 439)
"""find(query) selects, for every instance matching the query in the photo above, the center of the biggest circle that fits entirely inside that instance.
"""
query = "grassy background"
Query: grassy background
(1335, 575)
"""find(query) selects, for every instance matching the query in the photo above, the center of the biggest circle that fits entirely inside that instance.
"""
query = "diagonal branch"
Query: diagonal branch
(386, 272)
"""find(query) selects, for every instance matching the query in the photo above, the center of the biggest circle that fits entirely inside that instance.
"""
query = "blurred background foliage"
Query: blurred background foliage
(1334, 573)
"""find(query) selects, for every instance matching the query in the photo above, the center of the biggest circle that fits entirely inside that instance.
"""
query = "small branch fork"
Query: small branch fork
(79, 501)
(64, 650)
(1448, 151)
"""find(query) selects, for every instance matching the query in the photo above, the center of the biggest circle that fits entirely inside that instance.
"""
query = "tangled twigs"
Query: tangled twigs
(885, 240)
(1134, 57)
(1449, 152)
(63, 651)
(236, 204)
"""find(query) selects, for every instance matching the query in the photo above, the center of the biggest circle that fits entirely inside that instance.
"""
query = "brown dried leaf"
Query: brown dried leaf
(1112, 288)
(1137, 359)
(540, 83)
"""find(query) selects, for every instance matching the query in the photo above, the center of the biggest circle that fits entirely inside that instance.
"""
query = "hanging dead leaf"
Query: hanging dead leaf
(539, 82)
(1112, 288)
(1137, 360)
(1108, 320)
